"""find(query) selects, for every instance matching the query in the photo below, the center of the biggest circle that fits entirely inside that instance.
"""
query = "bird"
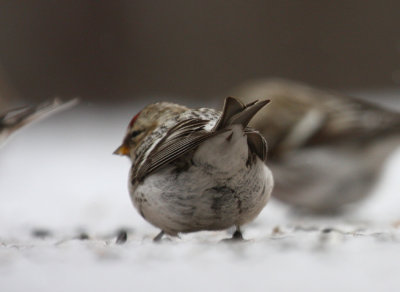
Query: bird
(326, 149)
(197, 169)
(16, 118)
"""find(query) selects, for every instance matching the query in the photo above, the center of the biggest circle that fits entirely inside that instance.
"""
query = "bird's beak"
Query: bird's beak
(122, 150)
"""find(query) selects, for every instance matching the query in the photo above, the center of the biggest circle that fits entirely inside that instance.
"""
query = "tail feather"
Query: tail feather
(235, 112)
(232, 106)
(247, 114)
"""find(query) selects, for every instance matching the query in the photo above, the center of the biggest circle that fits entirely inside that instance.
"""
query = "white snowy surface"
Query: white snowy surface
(59, 176)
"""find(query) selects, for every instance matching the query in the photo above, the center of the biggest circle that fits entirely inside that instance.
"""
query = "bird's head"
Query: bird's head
(144, 123)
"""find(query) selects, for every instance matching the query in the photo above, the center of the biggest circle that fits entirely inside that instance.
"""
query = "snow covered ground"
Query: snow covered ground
(63, 199)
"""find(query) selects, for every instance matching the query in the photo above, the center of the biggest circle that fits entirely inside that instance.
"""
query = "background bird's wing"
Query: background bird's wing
(333, 118)
(179, 140)
(21, 116)
(14, 119)
(300, 115)
(348, 116)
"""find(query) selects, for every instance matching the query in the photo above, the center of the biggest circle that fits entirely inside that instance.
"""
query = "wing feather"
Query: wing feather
(257, 143)
(188, 134)
(179, 140)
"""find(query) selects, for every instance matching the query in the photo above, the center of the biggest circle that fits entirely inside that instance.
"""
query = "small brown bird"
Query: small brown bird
(14, 119)
(197, 169)
(326, 150)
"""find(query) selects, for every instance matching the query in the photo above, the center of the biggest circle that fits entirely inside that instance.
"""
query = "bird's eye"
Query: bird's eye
(136, 133)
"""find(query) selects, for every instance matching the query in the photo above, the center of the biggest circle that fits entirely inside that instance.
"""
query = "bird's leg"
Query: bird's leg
(237, 235)
(159, 236)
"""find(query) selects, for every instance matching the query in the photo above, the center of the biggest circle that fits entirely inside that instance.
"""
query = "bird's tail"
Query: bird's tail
(235, 112)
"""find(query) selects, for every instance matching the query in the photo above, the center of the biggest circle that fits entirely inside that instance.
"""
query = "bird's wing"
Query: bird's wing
(257, 143)
(17, 118)
(190, 133)
(334, 118)
(179, 140)
(301, 115)
(348, 116)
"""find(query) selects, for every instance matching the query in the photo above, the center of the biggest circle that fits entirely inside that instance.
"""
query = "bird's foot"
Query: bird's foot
(159, 236)
(237, 235)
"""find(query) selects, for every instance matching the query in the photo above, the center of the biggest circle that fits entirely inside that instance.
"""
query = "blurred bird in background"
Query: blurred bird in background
(14, 119)
(197, 169)
(326, 150)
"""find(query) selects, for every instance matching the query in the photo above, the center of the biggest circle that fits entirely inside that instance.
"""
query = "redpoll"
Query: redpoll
(326, 150)
(197, 169)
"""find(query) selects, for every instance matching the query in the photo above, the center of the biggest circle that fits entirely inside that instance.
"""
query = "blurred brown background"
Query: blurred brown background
(118, 50)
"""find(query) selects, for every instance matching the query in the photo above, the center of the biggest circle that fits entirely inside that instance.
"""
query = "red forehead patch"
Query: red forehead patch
(133, 120)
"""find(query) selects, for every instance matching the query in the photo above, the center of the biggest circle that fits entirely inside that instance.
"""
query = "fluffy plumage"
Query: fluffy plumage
(197, 169)
(326, 149)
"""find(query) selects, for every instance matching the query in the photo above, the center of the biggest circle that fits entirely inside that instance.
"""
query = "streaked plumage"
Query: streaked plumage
(326, 150)
(198, 169)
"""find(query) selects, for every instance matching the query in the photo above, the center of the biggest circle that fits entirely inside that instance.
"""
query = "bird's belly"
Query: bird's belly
(323, 179)
(200, 198)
